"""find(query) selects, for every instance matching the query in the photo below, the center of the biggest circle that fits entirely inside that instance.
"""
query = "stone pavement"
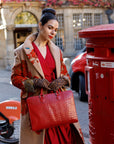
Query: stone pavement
(8, 92)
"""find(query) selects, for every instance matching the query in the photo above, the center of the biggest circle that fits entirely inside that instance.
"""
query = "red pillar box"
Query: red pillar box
(100, 82)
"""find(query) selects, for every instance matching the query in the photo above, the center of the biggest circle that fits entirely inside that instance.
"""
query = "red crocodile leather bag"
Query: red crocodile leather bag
(50, 110)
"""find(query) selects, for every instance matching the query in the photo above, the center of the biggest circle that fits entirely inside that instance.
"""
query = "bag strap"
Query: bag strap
(41, 93)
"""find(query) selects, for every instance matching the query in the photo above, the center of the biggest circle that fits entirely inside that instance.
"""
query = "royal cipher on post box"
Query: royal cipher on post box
(100, 82)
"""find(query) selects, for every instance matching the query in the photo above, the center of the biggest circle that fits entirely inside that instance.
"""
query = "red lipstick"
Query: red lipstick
(50, 37)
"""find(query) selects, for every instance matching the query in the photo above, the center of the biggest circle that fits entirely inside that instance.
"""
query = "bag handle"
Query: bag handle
(41, 92)
(56, 94)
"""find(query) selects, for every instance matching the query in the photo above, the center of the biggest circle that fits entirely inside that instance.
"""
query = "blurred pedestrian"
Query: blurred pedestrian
(39, 64)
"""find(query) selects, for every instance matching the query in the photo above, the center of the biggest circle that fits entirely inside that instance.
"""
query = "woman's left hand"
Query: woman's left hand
(58, 83)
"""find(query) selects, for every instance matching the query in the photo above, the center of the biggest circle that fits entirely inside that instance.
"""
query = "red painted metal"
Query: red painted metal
(100, 82)
(79, 63)
(11, 109)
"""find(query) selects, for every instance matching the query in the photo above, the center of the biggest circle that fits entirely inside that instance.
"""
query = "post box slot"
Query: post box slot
(90, 50)
(111, 52)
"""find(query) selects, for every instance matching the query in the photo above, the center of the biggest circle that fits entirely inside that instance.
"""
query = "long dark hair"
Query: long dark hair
(48, 14)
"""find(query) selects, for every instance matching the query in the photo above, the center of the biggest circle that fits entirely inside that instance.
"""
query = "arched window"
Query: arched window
(25, 18)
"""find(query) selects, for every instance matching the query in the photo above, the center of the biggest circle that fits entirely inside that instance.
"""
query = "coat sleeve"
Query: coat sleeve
(64, 72)
(18, 71)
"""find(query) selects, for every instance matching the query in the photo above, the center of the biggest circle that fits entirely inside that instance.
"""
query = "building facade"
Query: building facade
(13, 30)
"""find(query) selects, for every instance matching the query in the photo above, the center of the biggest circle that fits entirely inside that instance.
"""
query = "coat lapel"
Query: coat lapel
(29, 51)
(56, 55)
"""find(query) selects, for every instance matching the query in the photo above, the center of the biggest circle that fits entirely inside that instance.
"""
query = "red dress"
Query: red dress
(61, 134)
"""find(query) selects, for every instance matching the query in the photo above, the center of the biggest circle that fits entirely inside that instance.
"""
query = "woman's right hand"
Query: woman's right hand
(28, 85)
(31, 85)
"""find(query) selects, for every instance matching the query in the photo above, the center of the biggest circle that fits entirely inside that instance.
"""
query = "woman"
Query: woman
(39, 64)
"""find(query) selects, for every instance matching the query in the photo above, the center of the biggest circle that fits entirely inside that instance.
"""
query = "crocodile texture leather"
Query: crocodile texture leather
(50, 110)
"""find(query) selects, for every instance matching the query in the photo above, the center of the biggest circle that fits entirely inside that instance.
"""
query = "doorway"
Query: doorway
(20, 35)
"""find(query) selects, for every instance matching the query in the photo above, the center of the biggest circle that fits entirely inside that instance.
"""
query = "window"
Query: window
(77, 25)
(78, 42)
(97, 19)
(81, 21)
(87, 20)
(77, 20)
(59, 38)
(61, 21)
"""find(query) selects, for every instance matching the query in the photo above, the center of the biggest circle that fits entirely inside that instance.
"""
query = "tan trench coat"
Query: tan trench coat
(27, 65)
